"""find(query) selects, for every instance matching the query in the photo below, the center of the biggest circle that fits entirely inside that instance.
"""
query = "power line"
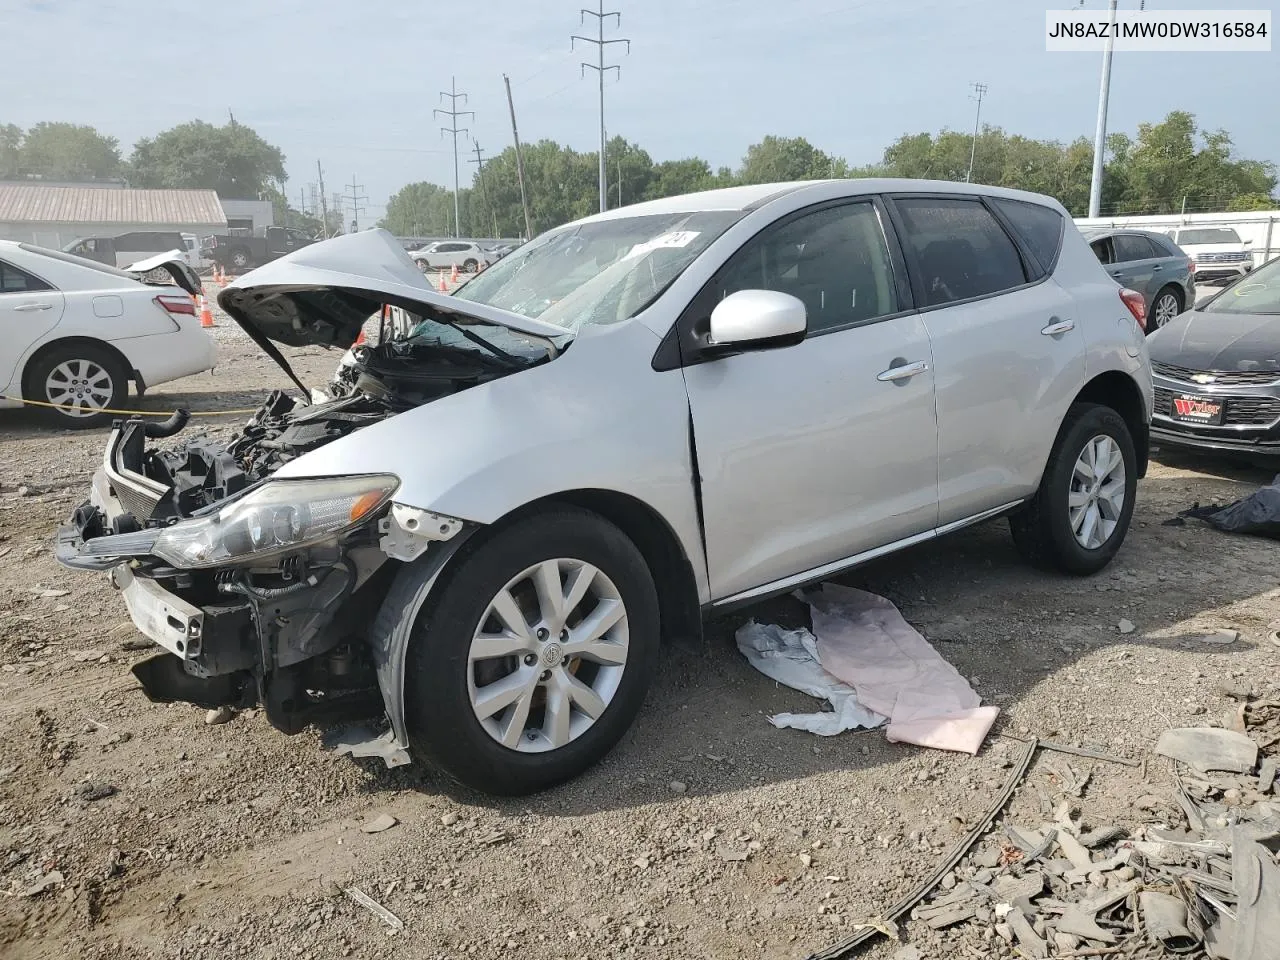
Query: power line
(453, 113)
(979, 91)
(354, 198)
(600, 43)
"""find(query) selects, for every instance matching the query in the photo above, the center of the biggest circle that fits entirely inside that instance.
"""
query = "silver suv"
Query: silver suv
(482, 533)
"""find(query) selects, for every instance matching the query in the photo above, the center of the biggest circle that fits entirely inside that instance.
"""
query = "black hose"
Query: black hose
(267, 593)
(167, 428)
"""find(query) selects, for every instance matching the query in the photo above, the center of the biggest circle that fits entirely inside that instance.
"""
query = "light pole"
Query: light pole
(1100, 134)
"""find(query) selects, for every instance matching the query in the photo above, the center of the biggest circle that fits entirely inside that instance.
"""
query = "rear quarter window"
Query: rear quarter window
(1039, 227)
(959, 249)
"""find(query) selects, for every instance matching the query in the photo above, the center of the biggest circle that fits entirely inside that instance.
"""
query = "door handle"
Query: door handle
(1116, 273)
(1157, 268)
(28, 307)
(1057, 326)
(904, 372)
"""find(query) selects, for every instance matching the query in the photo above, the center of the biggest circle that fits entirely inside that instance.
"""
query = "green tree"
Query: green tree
(1246, 202)
(231, 159)
(787, 158)
(425, 210)
(66, 151)
(10, 151)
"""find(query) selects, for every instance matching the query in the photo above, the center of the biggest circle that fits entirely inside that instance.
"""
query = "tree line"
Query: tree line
(1164, 167)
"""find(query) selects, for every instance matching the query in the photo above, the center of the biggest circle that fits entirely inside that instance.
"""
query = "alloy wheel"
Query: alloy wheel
(1165, 309)
(1096, 499)
(81, 388)
(548, 655)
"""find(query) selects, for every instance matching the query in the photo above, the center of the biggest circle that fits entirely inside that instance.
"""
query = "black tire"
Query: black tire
(240, 259)
(424, 266)
(1042, 529)
(36, 384)
(1166, 294)
(469, 265)
(442, 725)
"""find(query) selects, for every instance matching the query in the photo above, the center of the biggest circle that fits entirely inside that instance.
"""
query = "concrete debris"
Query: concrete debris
(1126, 626)
(1206, 749)
(1201, 878)
(218, 715)
(377, 909)
(379, 824)
(50, 880)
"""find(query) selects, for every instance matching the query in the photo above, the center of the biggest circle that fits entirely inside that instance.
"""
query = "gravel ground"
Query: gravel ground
(175, 838)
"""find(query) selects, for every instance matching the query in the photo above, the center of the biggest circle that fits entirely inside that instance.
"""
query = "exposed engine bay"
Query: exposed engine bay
(286, 625)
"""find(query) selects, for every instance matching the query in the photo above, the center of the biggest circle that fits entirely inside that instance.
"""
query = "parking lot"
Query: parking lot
(708, 832)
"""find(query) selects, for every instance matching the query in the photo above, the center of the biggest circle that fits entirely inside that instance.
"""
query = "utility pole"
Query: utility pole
(979, 91)
(484, 187)
(355, 196)
(453, 113)
(1100, 135)
(324, 204)
(619, 181)
(515, 134)
(600, 43)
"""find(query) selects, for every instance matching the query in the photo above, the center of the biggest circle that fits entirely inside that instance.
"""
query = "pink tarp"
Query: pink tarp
(863, 640)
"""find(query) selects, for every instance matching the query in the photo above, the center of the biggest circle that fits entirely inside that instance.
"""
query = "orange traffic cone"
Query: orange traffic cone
(444, 287)
(453, 274)
(206, 318)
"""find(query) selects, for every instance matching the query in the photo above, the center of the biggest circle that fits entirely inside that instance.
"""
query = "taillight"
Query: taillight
(1137, 306)
(183, 305)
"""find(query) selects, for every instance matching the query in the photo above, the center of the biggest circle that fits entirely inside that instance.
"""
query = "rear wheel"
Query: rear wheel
(536, 656)
(1078, 519)
(83, 380)
(1166, 305)
(240, 258)
(469, 265)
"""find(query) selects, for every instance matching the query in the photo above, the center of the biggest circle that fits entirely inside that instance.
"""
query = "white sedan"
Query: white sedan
(444, 254)
(73, 332)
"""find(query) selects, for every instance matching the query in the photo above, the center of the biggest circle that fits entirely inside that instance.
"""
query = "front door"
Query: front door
(816, 452)
(29, 309)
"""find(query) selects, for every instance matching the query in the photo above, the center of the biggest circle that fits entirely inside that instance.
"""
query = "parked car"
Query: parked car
(1216, 371)
(122, 250)
(444, 254)
(1219, 252)
(245, 252)
(1153, 265)
(75, 331)
(649, 415)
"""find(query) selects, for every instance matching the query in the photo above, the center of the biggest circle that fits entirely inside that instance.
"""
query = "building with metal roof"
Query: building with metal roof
(55, 215)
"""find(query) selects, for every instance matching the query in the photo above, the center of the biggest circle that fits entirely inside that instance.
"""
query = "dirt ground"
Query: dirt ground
(179, 839)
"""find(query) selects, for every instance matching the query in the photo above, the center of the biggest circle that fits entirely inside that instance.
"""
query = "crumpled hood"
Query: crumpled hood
(1218, 341)
(174, 265)
(323, 293)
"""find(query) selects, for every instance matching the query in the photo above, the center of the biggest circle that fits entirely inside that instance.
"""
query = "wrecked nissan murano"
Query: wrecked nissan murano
(480, 534)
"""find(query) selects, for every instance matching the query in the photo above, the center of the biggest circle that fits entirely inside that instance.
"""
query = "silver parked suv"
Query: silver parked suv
(486, 528)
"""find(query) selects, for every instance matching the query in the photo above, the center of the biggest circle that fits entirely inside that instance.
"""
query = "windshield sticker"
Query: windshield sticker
(677, 238)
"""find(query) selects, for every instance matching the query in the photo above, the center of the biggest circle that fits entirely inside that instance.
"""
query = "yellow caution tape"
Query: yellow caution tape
(129, 413)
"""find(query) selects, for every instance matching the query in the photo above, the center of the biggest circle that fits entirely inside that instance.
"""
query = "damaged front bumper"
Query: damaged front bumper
(314, 636)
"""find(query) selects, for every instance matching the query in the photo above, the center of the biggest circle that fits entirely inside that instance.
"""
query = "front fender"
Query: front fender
(597, 417)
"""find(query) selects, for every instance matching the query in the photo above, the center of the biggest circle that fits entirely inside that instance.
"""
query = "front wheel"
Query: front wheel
(469, 265)
(535, 655)
(240, 259)
(1078, 518)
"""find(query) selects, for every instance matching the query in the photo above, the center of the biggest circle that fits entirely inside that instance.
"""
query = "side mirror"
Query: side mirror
(758, 318)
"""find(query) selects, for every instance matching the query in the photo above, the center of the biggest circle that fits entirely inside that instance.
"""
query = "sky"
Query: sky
(354, 84)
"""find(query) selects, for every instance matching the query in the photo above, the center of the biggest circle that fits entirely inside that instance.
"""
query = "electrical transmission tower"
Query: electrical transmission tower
(599, 67)
(979, 91)
(453, 113)
(354, 198)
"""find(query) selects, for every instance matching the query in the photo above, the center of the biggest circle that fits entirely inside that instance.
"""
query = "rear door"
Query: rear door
(1137, 265)
(29, 309)
(1007, 347)
(816, 452)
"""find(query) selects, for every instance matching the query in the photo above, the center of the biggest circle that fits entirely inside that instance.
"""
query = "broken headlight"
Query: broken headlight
(278, 517)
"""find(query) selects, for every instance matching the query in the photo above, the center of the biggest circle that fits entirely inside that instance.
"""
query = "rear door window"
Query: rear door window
(1040, 228)
(13, 280)
(1131, 247)
(959, 250)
